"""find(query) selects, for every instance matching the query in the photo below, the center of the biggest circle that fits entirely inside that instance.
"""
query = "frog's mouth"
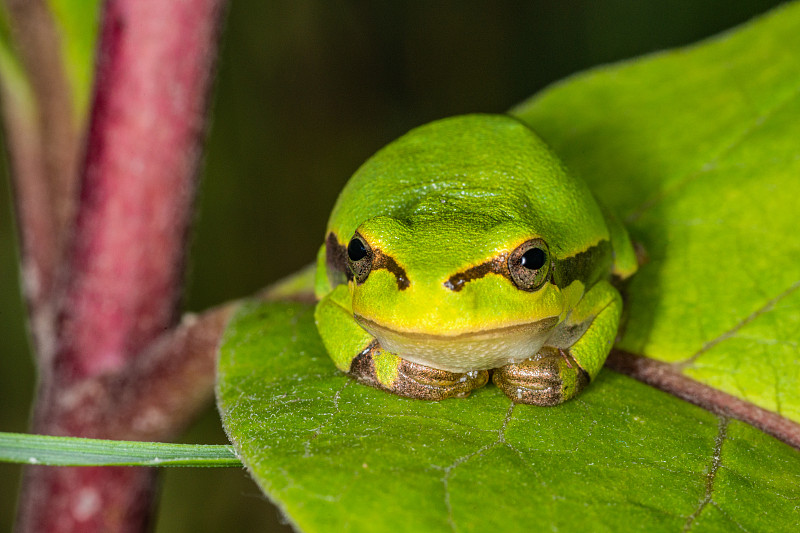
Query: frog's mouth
(465, 351)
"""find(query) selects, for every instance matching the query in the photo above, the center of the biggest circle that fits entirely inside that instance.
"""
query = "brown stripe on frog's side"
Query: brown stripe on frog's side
(363, 367)
(496, 265)
(336, 260)
(382, 260)
(588, 266)
(339, 268)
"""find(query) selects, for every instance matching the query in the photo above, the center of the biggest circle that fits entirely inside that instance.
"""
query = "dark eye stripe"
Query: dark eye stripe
(336, 260)
(339, 271)
(497, 265)
(386, 261)
(587, 266)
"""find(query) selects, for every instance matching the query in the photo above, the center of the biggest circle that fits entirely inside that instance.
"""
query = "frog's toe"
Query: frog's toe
(414, 380)
(419, 381)
(551, 378)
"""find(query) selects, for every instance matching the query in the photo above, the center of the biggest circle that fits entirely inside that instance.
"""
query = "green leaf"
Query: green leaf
(339, 456)
(78, 23)
(14, 83)
(74, 451)
(698, 150)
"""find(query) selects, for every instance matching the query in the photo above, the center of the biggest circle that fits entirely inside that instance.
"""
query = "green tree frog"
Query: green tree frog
(465, 249)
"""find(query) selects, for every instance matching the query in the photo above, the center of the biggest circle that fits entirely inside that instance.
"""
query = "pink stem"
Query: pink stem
(152, 400)
(144, 146)
(126, 264)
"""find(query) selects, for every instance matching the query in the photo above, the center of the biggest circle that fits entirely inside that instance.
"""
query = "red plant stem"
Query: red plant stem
(151, 400)
(126, 264)
(144, 144)
(668, 377)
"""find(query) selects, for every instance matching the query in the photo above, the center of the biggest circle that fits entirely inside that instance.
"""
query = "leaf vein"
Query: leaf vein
(767, 307)
(716, 461)
(501, 439)
(757, 123)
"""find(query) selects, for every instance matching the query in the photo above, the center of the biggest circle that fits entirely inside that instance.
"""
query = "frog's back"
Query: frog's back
(491, 166)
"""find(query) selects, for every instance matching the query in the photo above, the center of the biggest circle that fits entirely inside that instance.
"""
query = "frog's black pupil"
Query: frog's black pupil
(356, 250)
(533, 259)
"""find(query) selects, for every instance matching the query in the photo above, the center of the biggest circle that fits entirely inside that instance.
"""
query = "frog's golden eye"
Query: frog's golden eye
(529, 265)
(359, 258)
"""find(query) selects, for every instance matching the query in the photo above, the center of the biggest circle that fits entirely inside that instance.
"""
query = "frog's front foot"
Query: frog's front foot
(550, 378)
(381, 369)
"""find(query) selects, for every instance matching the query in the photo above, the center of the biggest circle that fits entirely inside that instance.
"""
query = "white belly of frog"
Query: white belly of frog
(465, 352)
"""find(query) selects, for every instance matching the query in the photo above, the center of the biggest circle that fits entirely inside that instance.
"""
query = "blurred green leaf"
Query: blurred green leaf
(16, 89)
(75, 451)
(78, 23)
(698, 149)
(339, 456)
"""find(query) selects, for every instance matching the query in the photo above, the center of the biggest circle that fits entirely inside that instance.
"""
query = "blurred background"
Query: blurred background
(306, 91)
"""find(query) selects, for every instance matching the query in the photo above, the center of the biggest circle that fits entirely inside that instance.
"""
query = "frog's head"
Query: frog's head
(451, 239)
(456, 291)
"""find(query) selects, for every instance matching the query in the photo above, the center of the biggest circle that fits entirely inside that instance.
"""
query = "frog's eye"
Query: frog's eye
(359, 258)
(529, 265)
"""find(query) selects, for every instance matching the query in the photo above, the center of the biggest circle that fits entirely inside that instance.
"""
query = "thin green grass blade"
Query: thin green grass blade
(74, 451)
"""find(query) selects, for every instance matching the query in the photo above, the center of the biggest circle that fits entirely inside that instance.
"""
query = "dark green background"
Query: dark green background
(306, 91)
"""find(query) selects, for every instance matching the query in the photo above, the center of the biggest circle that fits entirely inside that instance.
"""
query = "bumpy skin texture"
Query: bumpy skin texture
(466, 247)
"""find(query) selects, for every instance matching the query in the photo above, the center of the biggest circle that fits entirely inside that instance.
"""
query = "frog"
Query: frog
(466, 250)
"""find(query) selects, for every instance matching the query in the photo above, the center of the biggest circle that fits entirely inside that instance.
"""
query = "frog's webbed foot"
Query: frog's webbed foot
(420, 381)
(550, 378)
(384, 370)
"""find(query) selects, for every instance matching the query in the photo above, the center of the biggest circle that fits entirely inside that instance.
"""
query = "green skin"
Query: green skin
(441, 287)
